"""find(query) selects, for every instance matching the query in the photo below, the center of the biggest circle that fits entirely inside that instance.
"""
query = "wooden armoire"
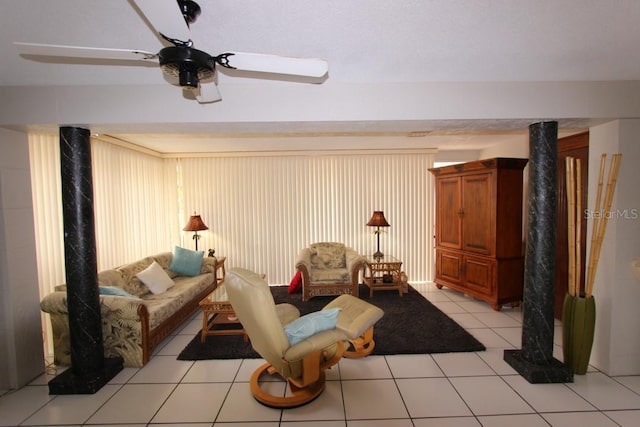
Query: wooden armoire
(479, 245)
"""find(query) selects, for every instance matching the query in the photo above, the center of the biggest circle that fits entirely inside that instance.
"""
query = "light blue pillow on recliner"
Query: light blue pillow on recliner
(310, 324)
(186, 262)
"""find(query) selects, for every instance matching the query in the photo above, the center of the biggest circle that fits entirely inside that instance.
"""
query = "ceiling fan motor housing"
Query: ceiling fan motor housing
(190, 10)
(188, 64)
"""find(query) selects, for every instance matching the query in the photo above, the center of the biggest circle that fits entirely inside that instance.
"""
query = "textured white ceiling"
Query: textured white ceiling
(365, 41)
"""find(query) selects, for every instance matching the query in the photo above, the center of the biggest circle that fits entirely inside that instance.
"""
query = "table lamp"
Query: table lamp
(378, 220)
(195, 224)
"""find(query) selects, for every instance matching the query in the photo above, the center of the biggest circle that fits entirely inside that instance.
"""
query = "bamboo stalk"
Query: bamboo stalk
(602, 228)
(596, 221)
(570, 224)
(603, 163)
(578, 219)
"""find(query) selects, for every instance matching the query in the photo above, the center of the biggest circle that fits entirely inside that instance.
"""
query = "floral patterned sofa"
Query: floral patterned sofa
(132, 326)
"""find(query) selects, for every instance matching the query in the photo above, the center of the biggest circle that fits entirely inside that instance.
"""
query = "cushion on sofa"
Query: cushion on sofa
(115, 291)
(164, 259)
(161, 306)
(111, 278)
(132, 284)
(329, 275)
(155, 278)
(186, 262)
(328, 255)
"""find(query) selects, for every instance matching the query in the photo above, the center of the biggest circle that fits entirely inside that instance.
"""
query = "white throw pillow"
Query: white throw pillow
(156, 279)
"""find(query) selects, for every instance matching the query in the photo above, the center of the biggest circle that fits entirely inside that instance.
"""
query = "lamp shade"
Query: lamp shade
(195, 224)
(378, 220)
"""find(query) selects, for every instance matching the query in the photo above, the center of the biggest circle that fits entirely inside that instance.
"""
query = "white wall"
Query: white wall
(616, 349)
(456, 156)
(278, 108)
(21, 354)
(518, 149)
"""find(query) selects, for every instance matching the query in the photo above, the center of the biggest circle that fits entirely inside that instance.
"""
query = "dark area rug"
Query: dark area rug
(410, 325)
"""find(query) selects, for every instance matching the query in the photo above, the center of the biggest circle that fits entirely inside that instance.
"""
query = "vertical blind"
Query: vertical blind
(46, 190)
(135, 208)
(135, 204)
(44, 157)
(261, 211)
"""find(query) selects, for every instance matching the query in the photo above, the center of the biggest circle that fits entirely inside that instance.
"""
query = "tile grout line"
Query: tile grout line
(404, 403)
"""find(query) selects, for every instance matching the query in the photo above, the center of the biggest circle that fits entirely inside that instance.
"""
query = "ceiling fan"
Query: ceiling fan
(171, 19)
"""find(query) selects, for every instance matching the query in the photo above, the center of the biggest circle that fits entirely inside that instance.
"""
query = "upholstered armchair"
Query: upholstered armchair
(329, 268)
(298, 349)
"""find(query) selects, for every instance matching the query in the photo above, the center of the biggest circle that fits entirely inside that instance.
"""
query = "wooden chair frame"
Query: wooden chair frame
(304, 389)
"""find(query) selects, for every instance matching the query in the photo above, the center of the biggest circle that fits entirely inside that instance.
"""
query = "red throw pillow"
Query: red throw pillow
(296, 283)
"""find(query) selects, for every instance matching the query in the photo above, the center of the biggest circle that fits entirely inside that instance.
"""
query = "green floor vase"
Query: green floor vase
(578, 326)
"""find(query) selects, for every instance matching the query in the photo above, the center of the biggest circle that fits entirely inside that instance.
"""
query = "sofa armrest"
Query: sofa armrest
(303, 264)
(55, 302)
(354, 260)
(126, 308)
(304, 259)
(208, 265)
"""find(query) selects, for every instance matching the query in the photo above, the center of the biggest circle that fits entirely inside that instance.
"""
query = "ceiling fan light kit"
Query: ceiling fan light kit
(190, 65)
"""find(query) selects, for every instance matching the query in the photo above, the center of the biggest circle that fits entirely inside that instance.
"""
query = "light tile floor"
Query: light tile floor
(443, 390)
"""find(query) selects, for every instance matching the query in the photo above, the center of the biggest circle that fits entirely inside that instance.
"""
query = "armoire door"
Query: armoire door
(449, 213)
(477, 219)
(479, 274)
(449, 266)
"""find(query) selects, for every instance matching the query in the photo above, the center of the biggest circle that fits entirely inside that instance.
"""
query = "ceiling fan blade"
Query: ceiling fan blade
(207, 93)
(310, 67)
(166, 18)
(84, 52)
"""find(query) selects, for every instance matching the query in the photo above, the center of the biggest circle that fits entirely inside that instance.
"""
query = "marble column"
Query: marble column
(535, 361)
(89, 369)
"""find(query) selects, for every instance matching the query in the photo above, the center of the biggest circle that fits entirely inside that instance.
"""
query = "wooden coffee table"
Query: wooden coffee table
(217, 310)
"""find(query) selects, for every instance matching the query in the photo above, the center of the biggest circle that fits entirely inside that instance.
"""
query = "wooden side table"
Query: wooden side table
(217, 310)
(383, 274)
(220, 267)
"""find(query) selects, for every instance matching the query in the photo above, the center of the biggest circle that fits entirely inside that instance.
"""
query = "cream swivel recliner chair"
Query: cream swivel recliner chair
(303, 362)
(329, 268)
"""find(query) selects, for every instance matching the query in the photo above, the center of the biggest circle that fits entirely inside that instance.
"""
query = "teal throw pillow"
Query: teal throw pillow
(186, 262)
(310, 324)
(115, 291)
